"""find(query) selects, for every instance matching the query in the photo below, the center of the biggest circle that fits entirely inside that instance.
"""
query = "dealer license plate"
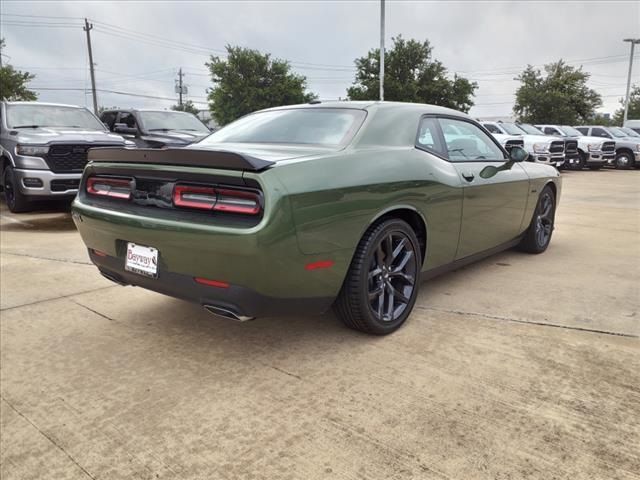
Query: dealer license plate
(142, 260)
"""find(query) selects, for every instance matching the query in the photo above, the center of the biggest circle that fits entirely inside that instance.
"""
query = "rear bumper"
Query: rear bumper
(51, 184)
(266, 272)
(241, 301)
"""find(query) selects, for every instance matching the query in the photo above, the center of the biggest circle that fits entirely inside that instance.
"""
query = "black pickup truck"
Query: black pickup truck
(155, 128)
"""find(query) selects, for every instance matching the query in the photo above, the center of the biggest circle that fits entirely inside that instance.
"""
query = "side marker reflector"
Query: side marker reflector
(99, 253)
(320, 264)
(211, 283)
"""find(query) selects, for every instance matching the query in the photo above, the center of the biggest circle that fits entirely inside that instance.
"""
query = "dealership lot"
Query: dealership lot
(520, 366)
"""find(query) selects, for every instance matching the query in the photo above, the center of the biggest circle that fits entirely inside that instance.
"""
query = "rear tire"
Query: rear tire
(538, 235)
(381, 286)
(16, 201)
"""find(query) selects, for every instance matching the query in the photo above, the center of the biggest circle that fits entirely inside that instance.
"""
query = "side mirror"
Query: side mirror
(518, 154)
(124, 128)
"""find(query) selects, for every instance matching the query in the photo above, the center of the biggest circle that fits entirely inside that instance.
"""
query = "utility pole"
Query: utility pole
(633, 42)
(381, 50)
(180, 87)
(87, 28)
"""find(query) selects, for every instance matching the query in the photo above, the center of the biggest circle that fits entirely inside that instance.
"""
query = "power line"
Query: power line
(115, 92)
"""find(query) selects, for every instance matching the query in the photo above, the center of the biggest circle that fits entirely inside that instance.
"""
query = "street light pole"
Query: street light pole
(381, 50)
(633, 42)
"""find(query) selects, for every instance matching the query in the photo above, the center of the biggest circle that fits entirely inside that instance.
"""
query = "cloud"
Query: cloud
(139, 46)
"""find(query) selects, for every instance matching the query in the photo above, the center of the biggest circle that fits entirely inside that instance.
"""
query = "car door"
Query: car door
(494, 198)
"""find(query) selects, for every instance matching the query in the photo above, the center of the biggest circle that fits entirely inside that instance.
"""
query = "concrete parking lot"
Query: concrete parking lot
(517, 367)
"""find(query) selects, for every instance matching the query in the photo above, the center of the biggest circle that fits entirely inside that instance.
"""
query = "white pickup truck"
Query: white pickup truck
(541, 148)
(594, 152)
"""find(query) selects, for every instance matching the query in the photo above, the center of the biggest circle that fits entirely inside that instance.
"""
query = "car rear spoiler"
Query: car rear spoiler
(184, 157)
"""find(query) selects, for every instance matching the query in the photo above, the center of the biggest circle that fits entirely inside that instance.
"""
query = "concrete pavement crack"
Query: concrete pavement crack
(94, 311)
(75, 462)
(529, 322)
(56, 298)
(47, 258)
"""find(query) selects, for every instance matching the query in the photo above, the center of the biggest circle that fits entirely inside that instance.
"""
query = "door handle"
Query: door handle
(468, 176)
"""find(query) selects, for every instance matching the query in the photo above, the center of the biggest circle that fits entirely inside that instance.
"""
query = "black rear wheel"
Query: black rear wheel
(580, 162)
(538, 236)
(381, 286)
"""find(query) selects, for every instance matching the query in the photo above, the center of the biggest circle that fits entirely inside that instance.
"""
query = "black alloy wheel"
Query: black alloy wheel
(381, 286)
(544, 219)
(392, 276)
(538, 236)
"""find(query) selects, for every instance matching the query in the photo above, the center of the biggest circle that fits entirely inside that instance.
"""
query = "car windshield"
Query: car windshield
(512, 129)
(34, 116)
(630, 132)
(312, 126)
(570, 131)
(617, 132)
(530, 129)
(165, 121)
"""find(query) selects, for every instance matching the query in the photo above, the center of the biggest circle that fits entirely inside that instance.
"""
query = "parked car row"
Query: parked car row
(43, 146)
(575, 148)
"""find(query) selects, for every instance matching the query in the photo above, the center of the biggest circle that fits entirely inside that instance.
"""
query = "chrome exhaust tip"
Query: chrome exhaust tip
(226, 313)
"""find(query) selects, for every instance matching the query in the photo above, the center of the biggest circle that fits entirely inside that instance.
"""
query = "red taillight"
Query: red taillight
(237, 201)
(211, 283)
(217, 199)
(109, 187)
(188, 196)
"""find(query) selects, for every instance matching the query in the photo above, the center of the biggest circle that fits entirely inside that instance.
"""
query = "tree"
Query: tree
(634, 107)
(558, 96)
(411, 75)
(13, 83)
(187, 106)
(248, 80)
(601, 119)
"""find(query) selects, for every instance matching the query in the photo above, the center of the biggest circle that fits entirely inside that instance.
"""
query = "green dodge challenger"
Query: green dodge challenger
(298, 208)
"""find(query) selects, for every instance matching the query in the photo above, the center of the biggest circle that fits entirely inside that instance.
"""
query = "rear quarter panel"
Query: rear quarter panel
(335, 199)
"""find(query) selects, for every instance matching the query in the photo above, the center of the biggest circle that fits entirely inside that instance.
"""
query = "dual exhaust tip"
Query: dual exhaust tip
(226, 313)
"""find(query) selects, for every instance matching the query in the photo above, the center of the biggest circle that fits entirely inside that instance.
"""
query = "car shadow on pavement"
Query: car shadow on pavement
(50, 216)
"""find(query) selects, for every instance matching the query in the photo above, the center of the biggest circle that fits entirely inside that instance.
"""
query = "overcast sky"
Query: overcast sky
(139, 46)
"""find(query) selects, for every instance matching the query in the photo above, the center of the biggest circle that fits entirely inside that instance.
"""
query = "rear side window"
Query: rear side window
(466, 142)
(428, 137)
(551, 131)
(583, 130)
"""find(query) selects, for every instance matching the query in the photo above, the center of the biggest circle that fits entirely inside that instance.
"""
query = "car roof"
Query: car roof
(133, 110)
(45, 104)
(373, 105)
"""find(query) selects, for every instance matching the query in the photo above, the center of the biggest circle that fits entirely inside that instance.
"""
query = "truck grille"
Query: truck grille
(63, 158)
(570, 146)
(513, 143)
(557, 146)
(609, 147)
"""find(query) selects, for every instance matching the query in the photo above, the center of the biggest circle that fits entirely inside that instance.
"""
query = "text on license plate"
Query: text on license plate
(142, 260)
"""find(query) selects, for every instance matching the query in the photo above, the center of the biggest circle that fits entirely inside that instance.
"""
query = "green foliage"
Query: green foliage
(248, 80)
(634, 107)
(600, 119)
(411, 75)
(13, 83)
(187, 106)
(559, 96)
